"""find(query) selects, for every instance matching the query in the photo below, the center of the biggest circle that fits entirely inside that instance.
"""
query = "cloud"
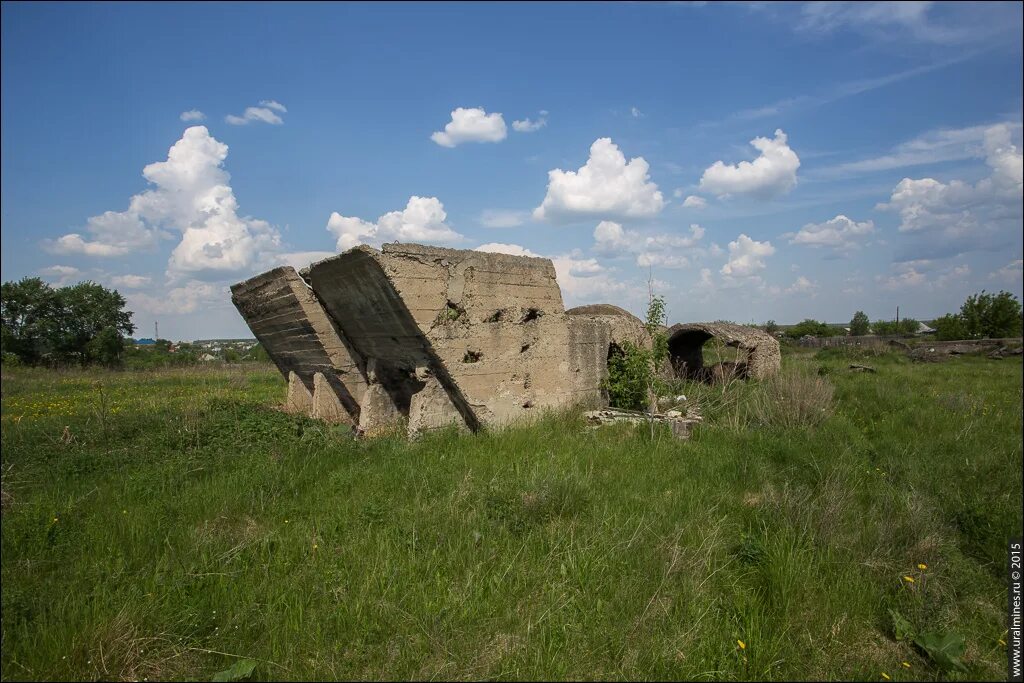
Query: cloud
(1011, 272)
(771, 174)
(746, 257)
(606, 186)
(60, 275)
(471, 125)
(635, 113)
(187, 298)
(192, 115)
(907, 276)
(503, 218)
(957, 217)
(802, 286)
(131, 281)
(949, 144)
(528, 126)
(839, 233)
(422, 220)
(265, 113)
(190, 195)
(893, 20)
(695, 202)
(501, 248)
(661, 249)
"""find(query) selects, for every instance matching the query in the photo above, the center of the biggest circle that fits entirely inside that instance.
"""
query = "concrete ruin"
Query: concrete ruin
(425, 337)
(758, 353)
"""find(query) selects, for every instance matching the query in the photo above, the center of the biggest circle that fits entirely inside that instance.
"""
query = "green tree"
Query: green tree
(106, 347)
(632, 381)
(771, 327)
(83, 312)
(891, 327)
(859, 324)
(991, 316)
(950, 327)
(28, 312)
(811, 327)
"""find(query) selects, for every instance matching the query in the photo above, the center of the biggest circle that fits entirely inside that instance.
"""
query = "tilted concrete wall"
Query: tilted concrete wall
(430, 337)
(300, 339)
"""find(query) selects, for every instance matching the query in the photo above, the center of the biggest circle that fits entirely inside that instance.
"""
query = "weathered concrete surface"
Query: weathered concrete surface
(298, 335)
(760, 358)
(595, 331)
(421, 338)
(489, 329)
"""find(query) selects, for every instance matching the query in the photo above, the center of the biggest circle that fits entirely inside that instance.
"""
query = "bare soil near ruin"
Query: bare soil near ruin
(172, 524)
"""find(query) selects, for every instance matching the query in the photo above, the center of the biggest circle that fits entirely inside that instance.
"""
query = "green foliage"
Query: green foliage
(28, 317)
(258, 354)
(902, 629)
(74, 324)
(629, 376)
(945, 649)
(813, 328)
(632, 370)
(892, 328)
(991, 316)
(771, 327)
(859, 324)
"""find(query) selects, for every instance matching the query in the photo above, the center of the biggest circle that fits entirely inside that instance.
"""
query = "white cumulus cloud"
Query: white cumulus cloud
(422, 220)
(957, 216)
(746, 257)
(471, 125)
(1011, 272)
(131, 281)
(695, 202)
(267, 112)
(528, 126)
(607, 185)
(190, 195)
(192, 115)
(840, 233)
(60, 275)
(771, 174)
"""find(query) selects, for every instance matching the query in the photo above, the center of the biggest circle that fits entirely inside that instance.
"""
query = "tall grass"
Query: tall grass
(185, 525)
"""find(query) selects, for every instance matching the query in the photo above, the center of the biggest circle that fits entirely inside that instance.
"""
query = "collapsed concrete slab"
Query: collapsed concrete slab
(418, 338)
(300, 338)
(759, 355)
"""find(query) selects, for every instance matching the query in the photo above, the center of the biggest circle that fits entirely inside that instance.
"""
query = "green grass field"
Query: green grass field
(172, 524)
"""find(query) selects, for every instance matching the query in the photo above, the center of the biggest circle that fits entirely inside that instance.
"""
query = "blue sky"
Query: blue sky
(614, 138)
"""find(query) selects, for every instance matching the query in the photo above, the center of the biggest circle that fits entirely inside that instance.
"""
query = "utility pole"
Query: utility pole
(156, 330)
(897, 318)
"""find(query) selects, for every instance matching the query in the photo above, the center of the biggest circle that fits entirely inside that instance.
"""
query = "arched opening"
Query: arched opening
(686, 353)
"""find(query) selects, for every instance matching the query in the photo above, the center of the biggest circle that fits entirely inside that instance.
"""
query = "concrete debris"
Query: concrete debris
(429, 337)
(680, 424)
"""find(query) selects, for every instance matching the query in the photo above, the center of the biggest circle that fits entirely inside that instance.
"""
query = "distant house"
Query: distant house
(924, 329)
(207, 357)
(145, 342)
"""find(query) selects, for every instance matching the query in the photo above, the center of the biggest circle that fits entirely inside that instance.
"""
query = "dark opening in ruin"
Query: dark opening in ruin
(525, 348)
(400, 383)
(497, 316)
(686, 353)
(532, 314)
(472, 356)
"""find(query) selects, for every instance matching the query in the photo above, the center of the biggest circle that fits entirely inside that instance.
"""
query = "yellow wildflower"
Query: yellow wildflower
(906, 665)
(743, 646)
(886, 676)
(922, 566)
(908, 579)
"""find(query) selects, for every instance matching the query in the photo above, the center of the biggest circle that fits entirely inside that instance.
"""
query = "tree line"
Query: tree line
(982, 316)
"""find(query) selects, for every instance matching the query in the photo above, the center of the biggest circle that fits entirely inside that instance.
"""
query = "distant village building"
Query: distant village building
(145, 342)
